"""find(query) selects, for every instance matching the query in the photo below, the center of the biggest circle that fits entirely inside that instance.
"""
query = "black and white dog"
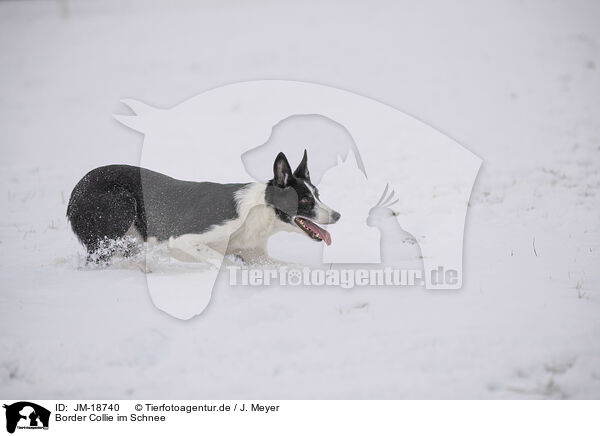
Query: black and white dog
(200, 221)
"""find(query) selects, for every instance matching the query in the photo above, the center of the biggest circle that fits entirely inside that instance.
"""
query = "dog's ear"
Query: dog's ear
(282, 171)
(302, 170)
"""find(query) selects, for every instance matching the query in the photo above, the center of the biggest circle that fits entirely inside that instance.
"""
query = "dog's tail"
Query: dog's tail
(104, 205)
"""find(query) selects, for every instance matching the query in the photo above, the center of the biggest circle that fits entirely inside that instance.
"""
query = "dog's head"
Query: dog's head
(296, 200)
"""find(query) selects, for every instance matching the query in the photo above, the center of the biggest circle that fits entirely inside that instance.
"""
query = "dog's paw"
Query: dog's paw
(144, 267)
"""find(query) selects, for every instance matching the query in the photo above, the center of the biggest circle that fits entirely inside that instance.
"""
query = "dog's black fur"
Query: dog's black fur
(289, 192)
(108, 200)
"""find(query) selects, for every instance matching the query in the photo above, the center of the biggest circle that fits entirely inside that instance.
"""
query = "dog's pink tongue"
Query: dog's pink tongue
(323, 234)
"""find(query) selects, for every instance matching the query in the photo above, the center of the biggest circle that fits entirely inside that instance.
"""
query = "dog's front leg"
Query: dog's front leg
(253, 256)
(191, 248)
(258, 256)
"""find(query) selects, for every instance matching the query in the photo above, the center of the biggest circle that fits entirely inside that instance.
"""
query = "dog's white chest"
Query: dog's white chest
(255, 230)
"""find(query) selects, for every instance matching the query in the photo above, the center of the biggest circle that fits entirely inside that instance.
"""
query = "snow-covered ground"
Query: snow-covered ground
(517, 84)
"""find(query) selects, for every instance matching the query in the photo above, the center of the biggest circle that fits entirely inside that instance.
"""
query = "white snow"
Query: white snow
(517, 84)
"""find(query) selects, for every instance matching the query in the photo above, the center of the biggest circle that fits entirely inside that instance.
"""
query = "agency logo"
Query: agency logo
(401, 187)
(24, 415)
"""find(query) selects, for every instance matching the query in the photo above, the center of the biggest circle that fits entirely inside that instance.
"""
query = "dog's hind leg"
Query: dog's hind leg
(99, 219)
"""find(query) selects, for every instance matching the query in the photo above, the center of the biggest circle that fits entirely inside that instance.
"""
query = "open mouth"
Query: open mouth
(313, 230)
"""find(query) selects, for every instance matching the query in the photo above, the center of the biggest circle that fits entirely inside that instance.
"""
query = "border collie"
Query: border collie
(200, 221)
